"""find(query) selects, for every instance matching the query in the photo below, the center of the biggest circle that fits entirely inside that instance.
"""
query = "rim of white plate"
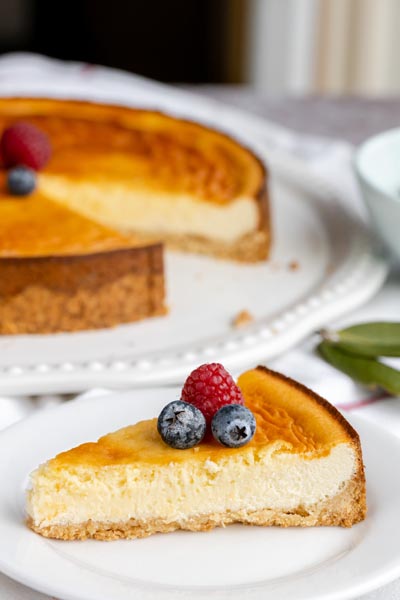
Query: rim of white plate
(356, 280)
(67, 413)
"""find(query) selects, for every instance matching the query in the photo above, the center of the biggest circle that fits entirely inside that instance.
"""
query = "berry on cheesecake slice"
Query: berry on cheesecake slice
(209, 387)
(280, 456)
(181, 425)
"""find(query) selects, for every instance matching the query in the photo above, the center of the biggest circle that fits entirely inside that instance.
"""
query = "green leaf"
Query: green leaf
(368, 339)
(368, 371)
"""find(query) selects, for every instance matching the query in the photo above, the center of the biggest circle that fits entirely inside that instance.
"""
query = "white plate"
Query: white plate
(338, 271)
(235, 562)
(338, 267)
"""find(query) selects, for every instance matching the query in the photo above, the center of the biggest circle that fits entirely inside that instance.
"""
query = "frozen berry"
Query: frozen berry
(233, 425)
(21, 181)
(209, 387)
(181, 425)
(25, 144)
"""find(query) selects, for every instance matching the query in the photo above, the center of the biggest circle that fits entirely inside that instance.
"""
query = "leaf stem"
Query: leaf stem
(329, 335)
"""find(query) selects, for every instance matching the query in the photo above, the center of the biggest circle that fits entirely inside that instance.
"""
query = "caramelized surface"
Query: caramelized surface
(286, 413)
(139, 148)
(100, 145)
(35, 226)
(313, 415)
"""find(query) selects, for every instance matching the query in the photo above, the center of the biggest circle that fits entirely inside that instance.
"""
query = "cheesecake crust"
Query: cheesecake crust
(250, 248)
(345, 509)
(72, 293)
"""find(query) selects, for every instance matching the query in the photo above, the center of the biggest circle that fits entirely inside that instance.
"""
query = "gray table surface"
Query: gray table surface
(350, 118)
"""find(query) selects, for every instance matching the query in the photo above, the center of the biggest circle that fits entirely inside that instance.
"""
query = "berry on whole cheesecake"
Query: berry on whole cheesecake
(233, 425)
(181, 425)
(21, 181)
(209, 387)
(25, 144)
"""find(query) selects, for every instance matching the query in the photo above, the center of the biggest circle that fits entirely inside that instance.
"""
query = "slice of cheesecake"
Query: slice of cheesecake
(303, 468)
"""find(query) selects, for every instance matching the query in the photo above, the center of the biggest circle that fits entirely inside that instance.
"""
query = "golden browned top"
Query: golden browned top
(101, 144)
(287, 415)
(142, 148)
(35, 226)
(315, 417)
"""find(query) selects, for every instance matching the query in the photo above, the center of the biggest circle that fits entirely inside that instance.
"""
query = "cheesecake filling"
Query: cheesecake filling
(173, 492)
(154, 212)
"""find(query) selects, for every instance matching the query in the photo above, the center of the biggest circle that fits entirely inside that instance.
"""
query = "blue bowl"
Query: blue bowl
(377, 166)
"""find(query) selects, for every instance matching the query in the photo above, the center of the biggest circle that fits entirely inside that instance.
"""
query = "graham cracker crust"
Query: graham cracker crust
(72, 293)
(250, 248)
(345, 509)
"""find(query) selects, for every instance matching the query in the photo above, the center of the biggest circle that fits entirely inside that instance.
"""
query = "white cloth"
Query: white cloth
(29, 74)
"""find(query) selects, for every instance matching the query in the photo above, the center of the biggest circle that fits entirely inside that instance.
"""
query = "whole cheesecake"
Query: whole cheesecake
(303, 468)
(85, 250)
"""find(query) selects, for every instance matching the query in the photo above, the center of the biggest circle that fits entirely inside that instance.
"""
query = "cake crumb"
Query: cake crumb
(242, 319)
(294, 265)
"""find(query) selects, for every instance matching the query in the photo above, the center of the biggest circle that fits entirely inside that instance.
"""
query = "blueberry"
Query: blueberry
(181, 425)
(21, 181)
(233, 425)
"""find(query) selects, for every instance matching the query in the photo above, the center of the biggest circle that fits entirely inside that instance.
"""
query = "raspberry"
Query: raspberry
(25, 144)
(209, 387)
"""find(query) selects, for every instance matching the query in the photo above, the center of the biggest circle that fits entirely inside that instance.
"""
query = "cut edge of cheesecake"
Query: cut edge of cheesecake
(322, 514)
(83, 291)
(337, 502)
(252, 245)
